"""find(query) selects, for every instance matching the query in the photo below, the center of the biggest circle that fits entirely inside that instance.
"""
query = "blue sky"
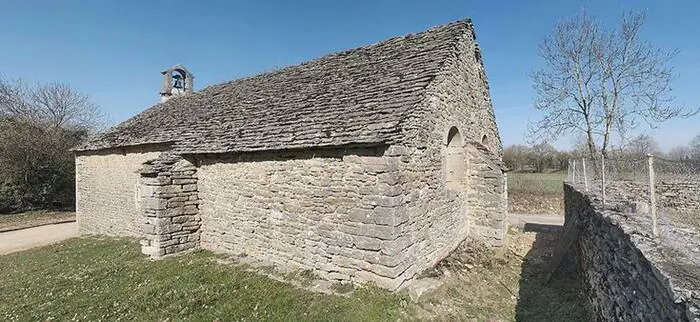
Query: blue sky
(114, 50)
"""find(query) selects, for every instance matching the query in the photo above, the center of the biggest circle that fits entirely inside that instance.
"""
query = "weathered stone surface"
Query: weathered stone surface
(154, 203)
(367, 243)
(106, 191)
(171, 221)
(629, 275)
(419, 287)
(152, 251)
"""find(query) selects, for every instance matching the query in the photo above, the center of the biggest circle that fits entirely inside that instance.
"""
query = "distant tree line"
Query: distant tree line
(39, 124)
(537, 158)
(544, 157)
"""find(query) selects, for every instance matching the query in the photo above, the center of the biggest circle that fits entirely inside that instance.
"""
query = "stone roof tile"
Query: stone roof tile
(356, 97)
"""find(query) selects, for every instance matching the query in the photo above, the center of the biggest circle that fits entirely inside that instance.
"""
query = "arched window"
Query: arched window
(484, 140)
(454, 160)
(454, 138)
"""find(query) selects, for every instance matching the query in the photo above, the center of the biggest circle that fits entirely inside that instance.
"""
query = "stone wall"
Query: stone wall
(368, 215)
(337, 212)
(676, 194)
(630, 276)
(106, 190)
(487, 198)
(169, 202)
(459, 98)
(346, 214)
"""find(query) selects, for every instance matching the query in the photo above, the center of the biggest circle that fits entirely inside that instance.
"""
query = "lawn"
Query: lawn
(91, 279)
(540, 193)
(88, 279)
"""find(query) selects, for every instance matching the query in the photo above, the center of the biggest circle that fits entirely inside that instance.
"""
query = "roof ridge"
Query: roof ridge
(354, 96)
(466, 21)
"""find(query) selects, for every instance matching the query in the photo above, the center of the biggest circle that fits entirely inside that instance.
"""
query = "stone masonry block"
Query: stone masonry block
(182, 219)
(361, 215)
(184, 181)
(157, 181)
(394, 247)
(367, 243)
(396, 150)
(190, 210)
(189, 187)
(390, 216)
(152, 251)
(154, 203)
(370, 230)
(175, 204)
(167, 229)
(173, 212)
(392, 284)
(171, 189)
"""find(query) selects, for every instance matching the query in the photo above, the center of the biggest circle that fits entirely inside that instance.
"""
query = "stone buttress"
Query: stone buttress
(169, 203)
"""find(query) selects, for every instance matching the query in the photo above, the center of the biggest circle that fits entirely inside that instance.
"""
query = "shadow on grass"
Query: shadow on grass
(564, 297)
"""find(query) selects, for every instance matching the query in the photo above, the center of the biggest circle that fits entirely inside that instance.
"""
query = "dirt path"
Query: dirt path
(13, 241)
(519, 220)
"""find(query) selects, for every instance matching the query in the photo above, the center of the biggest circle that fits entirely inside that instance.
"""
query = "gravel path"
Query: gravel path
(13, 241)
(519, 220)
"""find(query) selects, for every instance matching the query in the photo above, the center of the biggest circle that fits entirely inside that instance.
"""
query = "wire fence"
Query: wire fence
(668, 191)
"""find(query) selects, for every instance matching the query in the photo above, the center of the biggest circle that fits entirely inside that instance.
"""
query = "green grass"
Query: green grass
(109, 279)
(540, 193)
(539, 183)
(106, 279)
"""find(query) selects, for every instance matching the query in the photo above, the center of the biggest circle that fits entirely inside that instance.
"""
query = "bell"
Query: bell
(177, 81)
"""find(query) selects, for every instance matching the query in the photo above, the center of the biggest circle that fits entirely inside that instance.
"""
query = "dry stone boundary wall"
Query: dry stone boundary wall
(630, 276)
(679, 195)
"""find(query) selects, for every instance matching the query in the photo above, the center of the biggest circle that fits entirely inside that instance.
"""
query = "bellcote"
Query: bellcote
(177, 80)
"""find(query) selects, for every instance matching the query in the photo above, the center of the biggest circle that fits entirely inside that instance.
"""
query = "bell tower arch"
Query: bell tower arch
(177, 80)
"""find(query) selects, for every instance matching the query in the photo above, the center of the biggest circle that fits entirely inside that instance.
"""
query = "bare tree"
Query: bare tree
(516, 157)
(694, 147)
(53, 105)
(641, 146)
(38, 126)
(679, 153)
(599, 82)
(542, 156)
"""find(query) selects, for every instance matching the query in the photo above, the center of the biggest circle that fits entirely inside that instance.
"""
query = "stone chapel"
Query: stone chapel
(370, 164)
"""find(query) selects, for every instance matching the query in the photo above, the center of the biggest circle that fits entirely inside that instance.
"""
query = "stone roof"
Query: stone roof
(355, 97)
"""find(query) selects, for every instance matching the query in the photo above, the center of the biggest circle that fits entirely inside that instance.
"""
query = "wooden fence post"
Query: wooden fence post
(585, 175)
(652, 195)
(602, 172)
